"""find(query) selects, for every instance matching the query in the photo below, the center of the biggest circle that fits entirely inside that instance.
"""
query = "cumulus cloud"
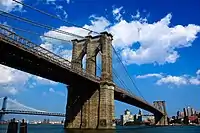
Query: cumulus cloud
(13, 81)
(149, 75)
(158, 41)
(177, 80)
(10, 5)
(194, 81)
(173, 80)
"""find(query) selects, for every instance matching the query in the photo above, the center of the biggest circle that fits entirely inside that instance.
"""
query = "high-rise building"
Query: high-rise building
(178, 113)
(189, 111)
(185, 112)
(192, 111)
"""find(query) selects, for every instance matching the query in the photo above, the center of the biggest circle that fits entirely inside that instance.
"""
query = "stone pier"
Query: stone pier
(91, 107)
(161, 120)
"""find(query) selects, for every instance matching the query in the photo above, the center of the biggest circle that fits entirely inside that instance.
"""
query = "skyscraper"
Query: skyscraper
(178, 113)
(192, 111)
(189, 110)
(185, 112)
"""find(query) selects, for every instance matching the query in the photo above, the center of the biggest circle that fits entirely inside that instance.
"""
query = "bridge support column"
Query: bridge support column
(106, 106)
(161, 120)
(94, 110)
(73, 109)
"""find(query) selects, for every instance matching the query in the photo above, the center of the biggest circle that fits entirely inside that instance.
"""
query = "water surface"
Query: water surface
(119, 129)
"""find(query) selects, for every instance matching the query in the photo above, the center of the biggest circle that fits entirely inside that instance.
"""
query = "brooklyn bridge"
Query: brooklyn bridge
(90, 101)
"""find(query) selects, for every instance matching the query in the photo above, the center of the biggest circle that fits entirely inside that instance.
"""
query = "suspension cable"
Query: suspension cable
(35, 33)
(128, 74)
(9, 15)
(120, 81)
(53, 16)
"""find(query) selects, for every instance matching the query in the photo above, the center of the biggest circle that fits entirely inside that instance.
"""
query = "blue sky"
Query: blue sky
(157, 41)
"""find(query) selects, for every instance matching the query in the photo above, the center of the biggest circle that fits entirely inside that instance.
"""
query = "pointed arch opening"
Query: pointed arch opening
(98, 64)
(84, 61)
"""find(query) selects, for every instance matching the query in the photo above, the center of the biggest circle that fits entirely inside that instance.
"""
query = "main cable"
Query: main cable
(53, 16)
(9, 15)
(35, 33)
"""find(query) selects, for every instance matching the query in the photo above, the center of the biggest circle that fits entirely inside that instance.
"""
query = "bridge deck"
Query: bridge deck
(21, 54)
(31, 113)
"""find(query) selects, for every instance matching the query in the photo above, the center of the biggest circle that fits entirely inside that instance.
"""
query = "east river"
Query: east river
(119, 129)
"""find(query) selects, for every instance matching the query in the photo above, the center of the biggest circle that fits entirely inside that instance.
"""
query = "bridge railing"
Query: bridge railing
(14, 39)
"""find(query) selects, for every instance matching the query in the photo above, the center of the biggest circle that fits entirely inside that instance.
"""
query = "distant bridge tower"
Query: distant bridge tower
(90, 106)
(161, 120)
(4, 103)
(3, 107)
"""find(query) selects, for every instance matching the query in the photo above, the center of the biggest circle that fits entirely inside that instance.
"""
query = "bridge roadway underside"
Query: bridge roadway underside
(15, 57)
(26, 61)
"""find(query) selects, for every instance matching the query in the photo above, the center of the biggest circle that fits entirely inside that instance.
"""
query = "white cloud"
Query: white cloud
(11, 80)
(194, 81)
(149, 75)
(10, 5)
(158, 41)
(117, 14)
(172, 80)
(198, 72)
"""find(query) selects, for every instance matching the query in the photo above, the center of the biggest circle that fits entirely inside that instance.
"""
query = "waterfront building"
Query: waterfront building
(127, 117)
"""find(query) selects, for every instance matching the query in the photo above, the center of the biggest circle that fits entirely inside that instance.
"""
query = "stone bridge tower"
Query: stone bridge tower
(161, 120)
(92, 108)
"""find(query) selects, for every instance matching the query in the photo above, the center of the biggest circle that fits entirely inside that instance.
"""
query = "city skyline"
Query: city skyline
(171, 73)
(185, 111)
